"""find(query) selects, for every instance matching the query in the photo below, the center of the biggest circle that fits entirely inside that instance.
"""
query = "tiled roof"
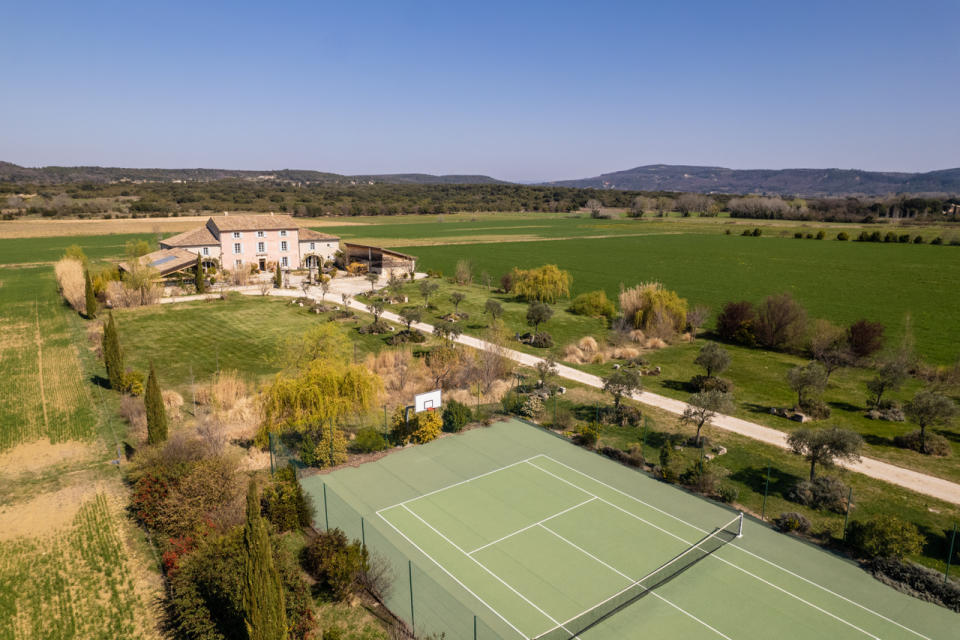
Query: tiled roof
(310, 234)
(201, 236)
(253, 223)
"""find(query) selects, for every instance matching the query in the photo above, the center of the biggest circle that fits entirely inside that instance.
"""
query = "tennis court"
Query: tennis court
(557, 543)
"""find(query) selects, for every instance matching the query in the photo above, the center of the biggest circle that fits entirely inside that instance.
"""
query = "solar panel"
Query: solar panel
(162, 261)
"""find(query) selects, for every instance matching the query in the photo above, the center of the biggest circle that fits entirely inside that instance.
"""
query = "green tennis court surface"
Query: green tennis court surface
(540, 539)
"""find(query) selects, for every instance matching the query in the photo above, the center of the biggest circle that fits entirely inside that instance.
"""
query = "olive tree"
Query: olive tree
(493, 308)
(825, 446)
(808, 381)
(410, 315)
(620, 383)
(702, 407)
(928, 409)
(537, 314)
(714, 358)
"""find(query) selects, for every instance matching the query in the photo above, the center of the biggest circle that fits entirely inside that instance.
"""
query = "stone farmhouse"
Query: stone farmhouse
(233, 242)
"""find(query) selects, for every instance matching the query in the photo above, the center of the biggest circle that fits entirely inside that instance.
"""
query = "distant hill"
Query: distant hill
(804, 182)
(59, 175)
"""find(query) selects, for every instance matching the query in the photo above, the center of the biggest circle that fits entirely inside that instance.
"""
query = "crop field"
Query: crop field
(840, 281)
(45, 392)
(71, 583)
(49, 250)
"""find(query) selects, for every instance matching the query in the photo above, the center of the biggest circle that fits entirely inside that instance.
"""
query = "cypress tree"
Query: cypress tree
(198, 280)
(264, 611)
(278, 277)
(113, 355)
(156, 414)
(91, 300)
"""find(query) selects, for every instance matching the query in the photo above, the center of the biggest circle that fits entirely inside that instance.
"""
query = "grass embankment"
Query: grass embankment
(839, 281)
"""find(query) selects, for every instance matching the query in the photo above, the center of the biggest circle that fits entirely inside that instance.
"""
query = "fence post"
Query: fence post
(846, 516)
(766, 488)
(953, 539)
(413, 625)
(363, 533)
(474, 627)
(270, 441)
(326, 516)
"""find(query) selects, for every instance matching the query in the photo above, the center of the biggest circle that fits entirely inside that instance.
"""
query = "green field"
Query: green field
(49, 250)
(45, 391)
(527, 531)
(840, 281)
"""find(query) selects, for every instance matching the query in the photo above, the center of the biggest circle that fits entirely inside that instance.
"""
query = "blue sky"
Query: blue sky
(516, 90)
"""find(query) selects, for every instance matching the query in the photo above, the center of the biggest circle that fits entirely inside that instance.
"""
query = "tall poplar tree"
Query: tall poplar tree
(112, 354)
(90, 299)
(156, 413)
(264, 610)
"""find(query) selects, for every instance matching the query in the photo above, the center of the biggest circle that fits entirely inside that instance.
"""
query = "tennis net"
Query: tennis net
(663, 574)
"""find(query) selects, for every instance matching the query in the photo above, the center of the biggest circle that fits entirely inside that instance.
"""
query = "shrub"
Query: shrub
(885, 536)
(792, 522)
(815, 408)
(456, 415)
(843, 236)
(132, 382)
(728, 494)
(711, 383)
(632, 458)
(823, 492)
(934, 444)
(918, 240)
(71, 281)
(737, 323)
(541, 340)
(285, 504)
(511, 402)
(865, 338)
(667, 467)
(780, 321)
(659, 312)
(429, 424)
(798, 235)
(938, 240)
(586, 435)
(593, 303)
(337, 564)
(920, 581)
(531, 407)
(368, 440)
(821, 235)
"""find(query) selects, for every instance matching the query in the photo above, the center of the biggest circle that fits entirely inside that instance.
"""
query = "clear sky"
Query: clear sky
(517, 90)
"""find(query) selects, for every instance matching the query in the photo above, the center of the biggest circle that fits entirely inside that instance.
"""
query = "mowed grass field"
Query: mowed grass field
(46, 393)
(839, 281)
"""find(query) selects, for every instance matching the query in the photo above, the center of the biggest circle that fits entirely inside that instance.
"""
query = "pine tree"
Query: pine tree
(91, 300)
(113, 355)
(278, 277)
(156, 414)
(264, 611)
(199, 281)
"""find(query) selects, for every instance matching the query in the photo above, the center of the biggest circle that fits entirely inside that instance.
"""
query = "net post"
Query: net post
(474, 627)
(740, 526)
(953, 539)
(363, 533)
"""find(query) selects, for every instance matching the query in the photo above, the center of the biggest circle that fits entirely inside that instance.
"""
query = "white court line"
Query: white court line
(482, 566)
(455, 484)
(531, 526)
(725, 561)
(620, 573)
(733, 545)
(455, 579)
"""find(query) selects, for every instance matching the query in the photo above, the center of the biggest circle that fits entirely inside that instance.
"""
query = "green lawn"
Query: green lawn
(839, 281)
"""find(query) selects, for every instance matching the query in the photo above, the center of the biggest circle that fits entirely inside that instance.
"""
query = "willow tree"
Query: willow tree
(321, 390)
(543, 284)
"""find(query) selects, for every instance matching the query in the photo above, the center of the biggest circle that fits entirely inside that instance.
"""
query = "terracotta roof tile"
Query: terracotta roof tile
(198, 237)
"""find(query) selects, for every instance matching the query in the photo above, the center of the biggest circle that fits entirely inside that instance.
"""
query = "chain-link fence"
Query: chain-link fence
(413, 595)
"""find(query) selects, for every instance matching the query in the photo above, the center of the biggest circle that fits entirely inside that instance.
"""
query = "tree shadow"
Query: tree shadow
(100, 381)
(845, 406)
(753, 407)
(949, 435)
(678, 385)
(756, 478)
(877, 441)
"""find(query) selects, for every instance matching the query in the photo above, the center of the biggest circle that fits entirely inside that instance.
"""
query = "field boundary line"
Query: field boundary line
(455, 484)
(531, 526)
(43, 395)
(455, 579)
(632, 581)
(482, 566)
(732, 545)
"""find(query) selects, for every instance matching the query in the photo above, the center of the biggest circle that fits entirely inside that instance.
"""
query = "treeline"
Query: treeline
(177, 198)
